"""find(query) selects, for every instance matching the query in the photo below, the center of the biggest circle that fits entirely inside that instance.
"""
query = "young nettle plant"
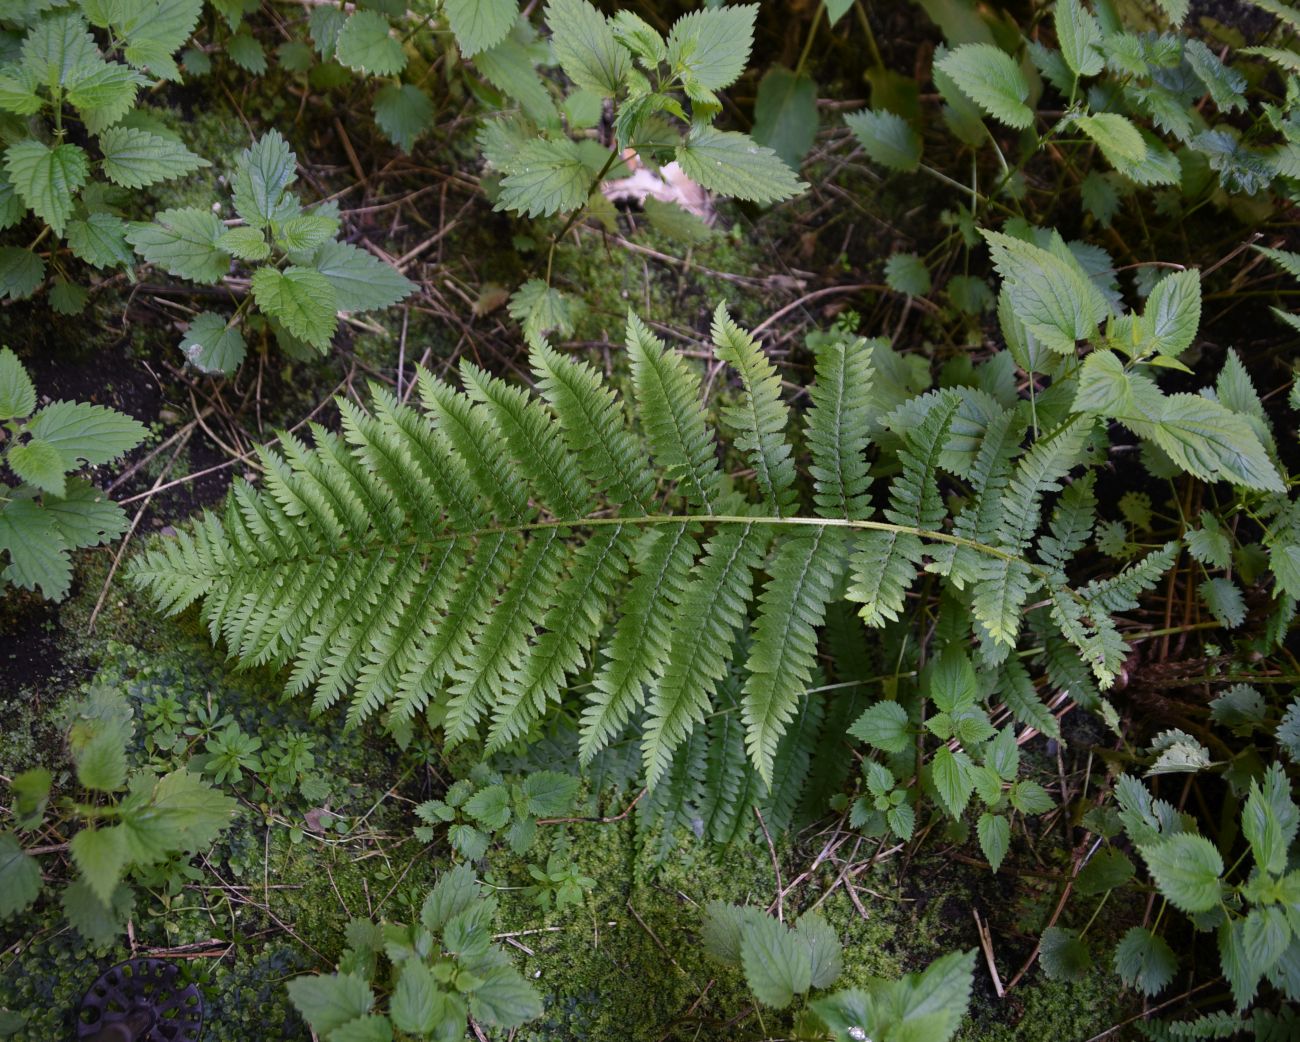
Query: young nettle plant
(50, 513)
(441, 971)
(664, 97)
(300, 278)
(76, 146)
(783, 963)
(129, 825)
(485, 806)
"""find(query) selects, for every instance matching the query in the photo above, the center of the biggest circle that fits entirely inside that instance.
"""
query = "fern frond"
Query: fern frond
(569, 629)
(1120, 592)
(642, 635)
(783, 652)
(760, 421)
(838, 429)
(885, 563)
(711, 611)
(793, 762)
(989, 476)
(594, 428)
(1071, 524)
(1006, 582)
(535, 442)
(729, 786)
(668, 401)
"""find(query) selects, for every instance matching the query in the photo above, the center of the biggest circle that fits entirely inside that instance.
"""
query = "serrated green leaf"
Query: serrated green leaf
(245, 243)
(585, 47)
(885, 726)
(183, 243)
(1119, 140)
(101, 762)
(213, 345)
(952, 777)
(360, 280)
(302, 299)
(17, 392)
(20, 877)
(680, 225)
(1063, 954)
(712, 45)
(47, 179)
(1208, 441)
(264, 170)
(732, 164)
(1145, 961)
(38, 554)
(84, 516)
(1079, 34)
(1054, 299)
(98, 923)
(38, 463)
(306, 232)
(136, 158)
(247, 52)
(906, 273)
(1173, 313)
(888, 139)
(505, 999)
(21, 272)
(101, 855)
(329, 1001)
(1107, 869)
(57, 48)
(994, 832)
(414, 1006)
(18, 93)
(549, 177)
(1186, 867)
(404, 112)
(100, 240)
(988, 76)
(366, 44)
(68, 298)
(480, 24)
(777, 965)
(85, 433)
(785, 113)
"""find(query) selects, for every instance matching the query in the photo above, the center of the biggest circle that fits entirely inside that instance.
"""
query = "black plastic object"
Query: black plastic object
(141, 1000)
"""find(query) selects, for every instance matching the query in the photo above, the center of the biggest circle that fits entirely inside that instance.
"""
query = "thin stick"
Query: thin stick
(986, 943)
(776, 867)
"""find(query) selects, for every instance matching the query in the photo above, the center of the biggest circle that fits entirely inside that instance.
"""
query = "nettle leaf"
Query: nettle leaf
(1210, 442)
(1187, 869)
(732, 164)
(778, 964)
(361, 281)
(104, 93)
(549, 177)
(1119, 140)
(906, 273)
(585, 46)
(1224, 601)
(1079, 34)
(247, 52)
(47, 179)
(101, 855)
(888, 139)
(84, 516)
(885, 726)
(85, 433)
(183, 243)
(327, 1002)
(302, 299)
(38, 553)
(990, 78)
(1173, 313)
(414, 1006)
(245, 243)
(1063, 954)
(17, 392)
(1145, 961)
(57, 47)
(994, 833)
(213, 345)
(712, 45)
(20, 877)
(952, 774)
(1054, 299)
(21, 272)
(38, 463)
(155, 30)
(135, 158)
(404, 112)
(480, 24)
(264, 170)
(366, 44)
(785, 113)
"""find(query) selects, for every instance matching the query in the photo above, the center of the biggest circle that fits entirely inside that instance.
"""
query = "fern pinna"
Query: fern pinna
(467, 559)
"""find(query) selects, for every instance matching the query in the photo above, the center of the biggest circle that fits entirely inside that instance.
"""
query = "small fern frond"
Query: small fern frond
(838, 429)
(668, 401)
(793, 761)
(989, 476)
(730, 785)
(712, 609)
(642, 635)
(595, 429)
(760, 421)
(783, 652)
(885, 564)
(1120, 592)
(1071, 524)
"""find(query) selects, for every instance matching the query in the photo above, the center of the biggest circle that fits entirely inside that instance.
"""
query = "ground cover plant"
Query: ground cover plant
(653, 521)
